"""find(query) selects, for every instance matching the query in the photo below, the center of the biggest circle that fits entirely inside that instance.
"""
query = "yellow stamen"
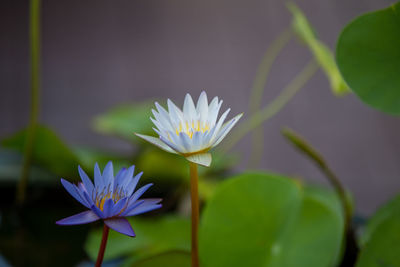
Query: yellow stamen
(196, 126)
(101, 198)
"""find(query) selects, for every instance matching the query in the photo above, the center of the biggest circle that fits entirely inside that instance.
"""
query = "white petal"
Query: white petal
(219, 124)
(156, 141)
(158, 125)
(226, 129)
(213, 111)
(203, 159)
(186, 142)
(175, 113)
(161, 110)
(163, 119)
(189, 110)
(197, 141)
(202, 106)
(174, 144)
(208, 135)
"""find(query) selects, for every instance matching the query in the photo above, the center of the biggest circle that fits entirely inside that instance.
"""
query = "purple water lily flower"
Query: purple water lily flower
(110, 199)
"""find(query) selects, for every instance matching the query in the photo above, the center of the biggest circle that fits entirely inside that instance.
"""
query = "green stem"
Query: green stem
(317, 158)
(100, 255)
(35, 87)
(351, 252)
(265, 67)
(274, 107)
(258, 90)
(194, 193)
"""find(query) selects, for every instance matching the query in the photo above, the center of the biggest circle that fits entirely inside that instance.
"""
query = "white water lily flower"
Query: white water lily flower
(193, 131)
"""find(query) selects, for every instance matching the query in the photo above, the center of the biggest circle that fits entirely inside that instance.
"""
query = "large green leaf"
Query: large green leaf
(368, 55)
(167, 259)
(316, 235)
(321, 52)
(383, 246)
(386, 211)
(153, 236)
(49, 151)
(125, 120)
(11, 166)
(381, 239)
(269, 220)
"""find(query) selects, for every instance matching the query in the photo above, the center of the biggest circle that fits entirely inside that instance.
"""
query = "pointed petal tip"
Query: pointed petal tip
(120, 225)
(80, 218)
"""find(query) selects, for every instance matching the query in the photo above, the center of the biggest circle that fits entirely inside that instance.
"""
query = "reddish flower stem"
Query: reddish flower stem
(194, 193)
(103, 244)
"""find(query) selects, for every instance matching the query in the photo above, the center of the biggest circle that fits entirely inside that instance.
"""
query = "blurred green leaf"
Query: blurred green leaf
(321, 52)
(153, 236)
(382, 244)
(316, 236)
(221, 162)
(368, 55)
(385, 212)
(207, 187)
(167, 259)
(262, 219)
(49, 151)
(158, 164)
(89, 156)
(124, 120)
(11, 165)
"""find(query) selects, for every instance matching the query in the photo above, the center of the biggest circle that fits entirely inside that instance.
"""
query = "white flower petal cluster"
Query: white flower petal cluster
(193, 131)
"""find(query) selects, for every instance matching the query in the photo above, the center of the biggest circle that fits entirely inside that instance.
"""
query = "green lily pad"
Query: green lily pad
(383, 246)
(268, 220)
(125, 120)
(368, 56)
(380, 241)
(167, 259)
(385, 212)
(153, 236)
(49, 152)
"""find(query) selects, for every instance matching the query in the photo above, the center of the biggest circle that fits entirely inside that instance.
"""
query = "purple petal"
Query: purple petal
(139, 192)
(118, 177)
(80, 218)
(120, 225)
(131, 206)
(86, 181)
(107, 207)
(118, 206)
(81, 192)
(98, 212)
(152, 200)
(73, 191)
(130, 187)
(143, 208)
(127, 177)
(108, 175)
(98, 180)
(88, 198)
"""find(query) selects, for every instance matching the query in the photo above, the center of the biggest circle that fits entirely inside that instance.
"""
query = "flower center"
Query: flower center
(190, 129)
(101, 197)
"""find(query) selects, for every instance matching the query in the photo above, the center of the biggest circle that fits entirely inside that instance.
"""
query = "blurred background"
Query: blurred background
(104, 63)
(99, 54)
